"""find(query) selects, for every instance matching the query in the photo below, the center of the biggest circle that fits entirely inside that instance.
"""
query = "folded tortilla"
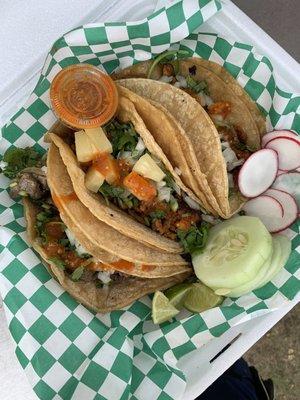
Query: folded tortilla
(118, 294)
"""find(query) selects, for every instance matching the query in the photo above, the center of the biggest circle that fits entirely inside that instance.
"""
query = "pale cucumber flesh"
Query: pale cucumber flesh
(261, 276)
(235, 251)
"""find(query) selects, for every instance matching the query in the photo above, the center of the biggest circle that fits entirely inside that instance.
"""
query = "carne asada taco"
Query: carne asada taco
(100, 290)
(122, 176)
(220, 126)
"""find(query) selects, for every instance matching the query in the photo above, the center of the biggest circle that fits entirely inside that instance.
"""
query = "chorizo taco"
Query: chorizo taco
(219, 119)
(122, 176)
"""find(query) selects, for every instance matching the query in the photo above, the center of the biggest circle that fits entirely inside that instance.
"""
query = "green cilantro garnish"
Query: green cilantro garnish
(159, 214)
(77, 274)
(119, 195)
(196, 86)
(19, 159)
(123, 137)
(58, 262)
(194, 239)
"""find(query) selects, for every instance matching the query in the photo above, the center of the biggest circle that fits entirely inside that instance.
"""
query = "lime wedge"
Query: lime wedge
(201, 298)
(162, 309)
(176, 294)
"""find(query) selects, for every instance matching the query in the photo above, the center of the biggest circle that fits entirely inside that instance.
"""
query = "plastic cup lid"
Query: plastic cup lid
(82, 96)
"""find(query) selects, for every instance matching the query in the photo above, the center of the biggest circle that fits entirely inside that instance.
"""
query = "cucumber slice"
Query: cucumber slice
(236, 250)
(286, 248)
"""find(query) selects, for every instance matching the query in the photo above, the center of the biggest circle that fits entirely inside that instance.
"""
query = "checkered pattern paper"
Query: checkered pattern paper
(67, 351)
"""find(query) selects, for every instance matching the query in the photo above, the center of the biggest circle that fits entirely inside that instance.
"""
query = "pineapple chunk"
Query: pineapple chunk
(85, 149)
(98, 138)
(93, 179)
(148, 168)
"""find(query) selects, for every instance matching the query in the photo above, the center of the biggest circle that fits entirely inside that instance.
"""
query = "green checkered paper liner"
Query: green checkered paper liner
(67, 351)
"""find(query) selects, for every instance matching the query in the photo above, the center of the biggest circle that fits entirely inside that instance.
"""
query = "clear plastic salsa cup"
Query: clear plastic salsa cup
(82, 96)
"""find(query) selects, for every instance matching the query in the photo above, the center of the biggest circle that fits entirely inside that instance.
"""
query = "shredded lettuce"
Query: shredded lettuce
(19, 159)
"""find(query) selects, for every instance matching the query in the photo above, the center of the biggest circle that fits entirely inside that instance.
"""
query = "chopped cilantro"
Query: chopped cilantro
(196, 86)
(194, 239)
(119, 195)
(123, 137)
(58, 262)
(159, 214)
(19, 159)
(77, 274)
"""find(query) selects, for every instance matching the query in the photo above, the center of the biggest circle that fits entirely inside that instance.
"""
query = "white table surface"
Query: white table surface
(32, 26)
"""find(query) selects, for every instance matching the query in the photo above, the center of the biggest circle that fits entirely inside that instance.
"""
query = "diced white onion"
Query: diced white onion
(44, 169)
(235, 164)
(164, 194)
(177, 171)
(140, 147)
(231, 159)
(191, 203)
(166, 79)
(127, 156)
(104, 276)
(160, 184)
(209, 101)
(224, 145)
(181, 79)
(177, 84)
(217, 118)
(80, 250)
(229, 155)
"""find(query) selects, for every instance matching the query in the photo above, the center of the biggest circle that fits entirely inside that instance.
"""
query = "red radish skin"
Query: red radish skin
(267, 209)
(290, 208)
(288, 151)
(258, 173)
(278, 133)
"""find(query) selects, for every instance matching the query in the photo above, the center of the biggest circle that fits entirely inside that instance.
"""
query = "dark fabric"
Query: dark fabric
(235, 384)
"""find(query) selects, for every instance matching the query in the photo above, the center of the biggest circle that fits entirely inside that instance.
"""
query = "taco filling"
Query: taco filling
(127, 175)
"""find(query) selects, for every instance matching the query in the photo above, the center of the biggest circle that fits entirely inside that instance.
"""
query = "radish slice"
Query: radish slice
(290, 209)
(288, 151)
(289, 182)
(258, 172)
(280, 172)
(275, 134)
(267, 209)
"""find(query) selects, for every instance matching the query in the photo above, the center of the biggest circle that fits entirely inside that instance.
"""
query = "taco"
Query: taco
(101, 291)
(128, 183)
(212, 113)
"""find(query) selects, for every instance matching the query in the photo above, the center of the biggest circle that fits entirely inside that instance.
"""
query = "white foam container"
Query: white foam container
(26, 34)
